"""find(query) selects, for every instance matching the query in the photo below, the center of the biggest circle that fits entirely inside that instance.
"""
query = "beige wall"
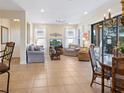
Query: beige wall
(28, 32)
(53, 28)
(6, 23)
(23, 31)
(14, 34)
(15, 37)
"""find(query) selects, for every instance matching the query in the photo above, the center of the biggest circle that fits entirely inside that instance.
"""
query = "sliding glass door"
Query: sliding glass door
(112, 33)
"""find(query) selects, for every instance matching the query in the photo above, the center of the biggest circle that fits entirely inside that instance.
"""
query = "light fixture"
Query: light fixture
(85, 13)
(42, 10)
(104, 16)
(109, 15)
(122, 19)
(16, 20)
(100, 26)
(109, 11)
(109, 18)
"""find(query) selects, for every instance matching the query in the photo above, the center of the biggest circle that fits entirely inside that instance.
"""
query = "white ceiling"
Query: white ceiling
(68, 10)
(9, 5)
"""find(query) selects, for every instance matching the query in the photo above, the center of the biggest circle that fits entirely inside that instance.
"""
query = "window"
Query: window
(40, 37)
(79, 37)
(70, 36)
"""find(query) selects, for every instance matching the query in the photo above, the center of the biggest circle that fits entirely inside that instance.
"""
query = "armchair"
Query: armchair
(72, 50)
(54, 53)
(83, 54)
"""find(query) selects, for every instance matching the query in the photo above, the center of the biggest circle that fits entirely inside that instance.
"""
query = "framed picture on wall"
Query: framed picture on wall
(4, 35)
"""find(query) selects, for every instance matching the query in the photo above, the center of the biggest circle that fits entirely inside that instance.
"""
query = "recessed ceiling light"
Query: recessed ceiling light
(16, 20)
(85, 13)
(42, 10)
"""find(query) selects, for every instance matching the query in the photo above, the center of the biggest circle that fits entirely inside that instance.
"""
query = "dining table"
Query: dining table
(106, 65)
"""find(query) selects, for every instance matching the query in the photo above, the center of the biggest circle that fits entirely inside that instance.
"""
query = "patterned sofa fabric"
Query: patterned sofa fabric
(34, 54)
(72, 50)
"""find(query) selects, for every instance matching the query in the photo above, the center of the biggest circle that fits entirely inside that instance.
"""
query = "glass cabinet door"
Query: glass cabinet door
(111, 33)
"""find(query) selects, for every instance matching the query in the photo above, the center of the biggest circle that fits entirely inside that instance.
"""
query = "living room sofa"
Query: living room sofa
(34, 54)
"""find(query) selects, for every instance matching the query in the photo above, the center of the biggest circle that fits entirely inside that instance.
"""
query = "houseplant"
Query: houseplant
(122, 49)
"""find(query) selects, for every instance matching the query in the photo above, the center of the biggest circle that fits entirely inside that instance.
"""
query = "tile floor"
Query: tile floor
(65, 76)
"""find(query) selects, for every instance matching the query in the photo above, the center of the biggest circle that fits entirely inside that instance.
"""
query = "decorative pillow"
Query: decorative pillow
(29, 48)
(72, 46)
(84, 49)
(36, 48)
(32, 47)
(53, 51)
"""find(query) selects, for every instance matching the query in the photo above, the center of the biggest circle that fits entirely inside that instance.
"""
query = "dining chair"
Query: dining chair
(5, 57)
(118, 75)
(96, 68)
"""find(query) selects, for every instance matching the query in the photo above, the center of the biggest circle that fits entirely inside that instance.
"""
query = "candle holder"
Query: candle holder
(122, 19)
(109, 18)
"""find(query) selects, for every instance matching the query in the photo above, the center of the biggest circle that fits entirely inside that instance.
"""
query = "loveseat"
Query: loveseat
(34, 53)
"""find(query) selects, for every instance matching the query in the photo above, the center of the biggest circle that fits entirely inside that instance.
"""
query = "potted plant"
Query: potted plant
(122, 49)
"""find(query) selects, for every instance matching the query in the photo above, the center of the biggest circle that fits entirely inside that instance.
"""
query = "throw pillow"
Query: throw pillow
(36, 48)
(72, 46)
(29, 48)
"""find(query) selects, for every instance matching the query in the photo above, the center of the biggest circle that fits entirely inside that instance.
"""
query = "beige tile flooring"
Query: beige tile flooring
(65, 76)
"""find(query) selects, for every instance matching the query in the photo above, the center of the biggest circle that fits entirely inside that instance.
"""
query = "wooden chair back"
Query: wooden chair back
(7, 54)
(93, 59)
